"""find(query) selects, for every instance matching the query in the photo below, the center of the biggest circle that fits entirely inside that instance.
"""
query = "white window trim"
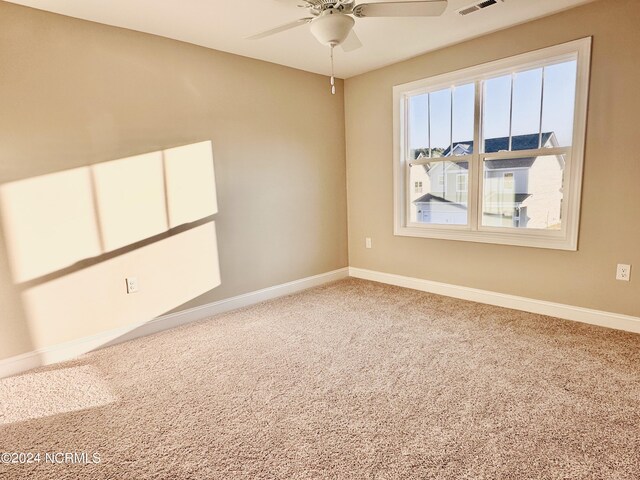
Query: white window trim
(565, 239)
(465, 182)
(513, 181)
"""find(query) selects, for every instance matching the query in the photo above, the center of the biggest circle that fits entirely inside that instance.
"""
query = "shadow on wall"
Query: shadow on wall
(73, 237)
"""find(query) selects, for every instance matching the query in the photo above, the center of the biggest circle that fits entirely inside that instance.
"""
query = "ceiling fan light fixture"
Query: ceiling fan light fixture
(332, 29)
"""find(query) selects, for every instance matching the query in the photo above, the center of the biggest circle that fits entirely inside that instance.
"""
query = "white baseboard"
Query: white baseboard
(559, 310)
(69, 350)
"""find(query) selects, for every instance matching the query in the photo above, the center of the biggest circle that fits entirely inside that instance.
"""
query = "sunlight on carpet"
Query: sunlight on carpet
(37, 395)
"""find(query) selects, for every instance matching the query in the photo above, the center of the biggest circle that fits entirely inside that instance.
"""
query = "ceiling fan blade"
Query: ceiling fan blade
(281, 28)
(352, 42)
(401, 9)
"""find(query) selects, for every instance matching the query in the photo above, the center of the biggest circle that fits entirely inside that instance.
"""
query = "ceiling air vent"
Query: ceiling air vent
(476, 7)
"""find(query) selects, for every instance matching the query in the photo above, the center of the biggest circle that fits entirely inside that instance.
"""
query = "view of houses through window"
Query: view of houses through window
(524, 116)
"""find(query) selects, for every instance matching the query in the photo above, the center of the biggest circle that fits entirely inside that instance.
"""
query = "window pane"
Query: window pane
(523, 192)
(496, 113)
(418, 126)
(527, 96)
(436, 195)
(440, 103)
(463, 118)
(558, 104)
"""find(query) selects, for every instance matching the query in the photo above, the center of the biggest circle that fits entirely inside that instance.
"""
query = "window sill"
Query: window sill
(534, 239)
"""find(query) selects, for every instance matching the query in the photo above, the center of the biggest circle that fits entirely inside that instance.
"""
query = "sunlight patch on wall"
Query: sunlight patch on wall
(170, 272)
(189, 176)
(38, 395)
(55, 221)
(49, 222)
(130, 199)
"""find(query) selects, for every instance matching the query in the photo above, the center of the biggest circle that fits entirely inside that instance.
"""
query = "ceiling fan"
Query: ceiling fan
(331, 21)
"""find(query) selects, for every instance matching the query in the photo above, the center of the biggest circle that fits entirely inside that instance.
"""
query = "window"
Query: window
(499, 149)
(461, 182)
(507, 181)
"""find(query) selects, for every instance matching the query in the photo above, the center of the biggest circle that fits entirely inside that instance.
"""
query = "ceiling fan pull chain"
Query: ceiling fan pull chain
(333, 78)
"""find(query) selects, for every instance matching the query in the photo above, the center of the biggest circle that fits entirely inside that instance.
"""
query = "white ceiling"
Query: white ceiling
(224, 24)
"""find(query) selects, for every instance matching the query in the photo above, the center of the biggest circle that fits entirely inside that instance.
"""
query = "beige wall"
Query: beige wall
(610, 225)
(75, 93)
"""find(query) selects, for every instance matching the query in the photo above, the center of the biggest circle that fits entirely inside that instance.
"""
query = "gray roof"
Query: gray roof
(428, 198)
(509, 163)
(492, 145)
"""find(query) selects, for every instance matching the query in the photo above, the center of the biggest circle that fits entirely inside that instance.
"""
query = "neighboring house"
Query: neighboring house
(518, 192)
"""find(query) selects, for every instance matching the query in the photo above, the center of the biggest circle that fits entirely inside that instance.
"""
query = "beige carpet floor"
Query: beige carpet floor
(350, 380)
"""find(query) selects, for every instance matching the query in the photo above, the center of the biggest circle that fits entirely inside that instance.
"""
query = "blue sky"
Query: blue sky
(557, 108)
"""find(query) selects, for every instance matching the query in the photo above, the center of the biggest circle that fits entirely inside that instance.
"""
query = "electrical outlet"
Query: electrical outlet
(624, 272)
(367, 242)
(132, 285)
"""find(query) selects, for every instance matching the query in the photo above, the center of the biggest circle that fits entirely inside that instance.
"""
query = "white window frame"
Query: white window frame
(504, 181)
(564, 239)
(465, 183)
